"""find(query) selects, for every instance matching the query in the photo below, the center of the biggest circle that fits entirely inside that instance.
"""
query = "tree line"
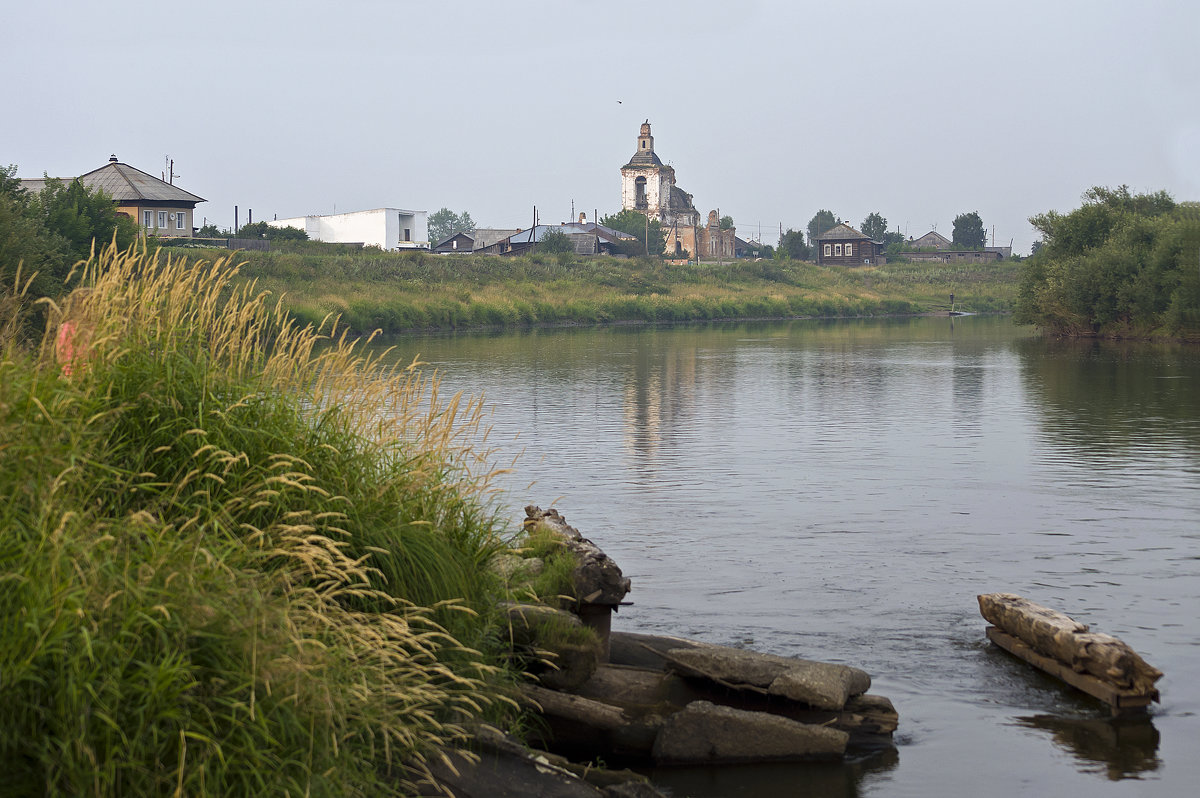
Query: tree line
(1120, 265)
(969, 233)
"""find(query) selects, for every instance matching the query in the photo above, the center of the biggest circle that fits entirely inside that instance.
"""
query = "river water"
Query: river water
(843, 490)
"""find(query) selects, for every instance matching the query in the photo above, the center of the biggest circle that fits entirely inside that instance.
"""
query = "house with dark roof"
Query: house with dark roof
(457, 243)
(587, 238)
(845, 246)
(159, 207)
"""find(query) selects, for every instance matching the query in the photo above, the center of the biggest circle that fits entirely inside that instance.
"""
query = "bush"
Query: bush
(226, 572)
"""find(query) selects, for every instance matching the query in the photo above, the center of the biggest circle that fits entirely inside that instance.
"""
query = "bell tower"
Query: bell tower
(645, 140)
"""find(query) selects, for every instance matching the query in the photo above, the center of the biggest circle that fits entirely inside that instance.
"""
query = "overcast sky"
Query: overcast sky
(767, 110)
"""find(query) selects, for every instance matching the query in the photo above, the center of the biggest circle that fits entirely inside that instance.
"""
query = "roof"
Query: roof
(448, 239)
(125, 184)
(841, 232)
(643, 159)
(681, 199)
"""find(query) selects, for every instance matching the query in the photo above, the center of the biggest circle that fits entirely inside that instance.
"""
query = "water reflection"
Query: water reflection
(1120, 748)
(790, 780)
(842, 491)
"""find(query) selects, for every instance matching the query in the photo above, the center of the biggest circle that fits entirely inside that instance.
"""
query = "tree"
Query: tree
(445, 223)
(968, 231)
(874, 226)
(26, 242)
(726, 222)
(555, 242)
(264, 230)
(822, 222)
(1120, 264)
(210, 230)
(81, 216)
(792, 245)
(635, 224)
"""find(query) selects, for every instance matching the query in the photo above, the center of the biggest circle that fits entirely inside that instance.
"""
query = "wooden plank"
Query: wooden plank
(1120, 700)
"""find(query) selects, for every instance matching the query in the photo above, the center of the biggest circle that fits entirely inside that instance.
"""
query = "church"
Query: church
(648, 186)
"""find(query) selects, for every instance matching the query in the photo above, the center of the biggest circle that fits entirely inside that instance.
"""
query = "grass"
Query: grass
(238, 557)
(398, 292)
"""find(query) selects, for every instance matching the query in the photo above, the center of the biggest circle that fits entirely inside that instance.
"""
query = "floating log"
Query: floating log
(1099, 664)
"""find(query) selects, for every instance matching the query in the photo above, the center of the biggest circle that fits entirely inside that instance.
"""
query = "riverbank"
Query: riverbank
(404, 292)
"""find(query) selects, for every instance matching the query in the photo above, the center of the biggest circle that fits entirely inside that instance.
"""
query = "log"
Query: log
(1060, 637)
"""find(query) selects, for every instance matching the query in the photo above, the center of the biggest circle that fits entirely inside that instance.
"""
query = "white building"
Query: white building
(386, 228)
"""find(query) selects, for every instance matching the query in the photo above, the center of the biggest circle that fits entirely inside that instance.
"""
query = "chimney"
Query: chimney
(112, 158)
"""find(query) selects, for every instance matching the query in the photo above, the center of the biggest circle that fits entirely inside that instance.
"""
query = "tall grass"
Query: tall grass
(223, 570)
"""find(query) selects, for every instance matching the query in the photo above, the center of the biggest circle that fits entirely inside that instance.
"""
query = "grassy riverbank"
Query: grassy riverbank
(238, 558)
(397, 292)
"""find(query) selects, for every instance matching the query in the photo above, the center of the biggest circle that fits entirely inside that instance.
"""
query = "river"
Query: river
(843, 490)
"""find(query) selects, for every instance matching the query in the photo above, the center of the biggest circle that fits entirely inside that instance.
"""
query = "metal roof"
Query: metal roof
(643, 159)
(841, 232)
(125, 184)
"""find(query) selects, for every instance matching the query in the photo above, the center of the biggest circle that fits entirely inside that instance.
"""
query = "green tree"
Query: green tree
(822, 222)
(726, 222)
(1120, 265)
(83, 216)
(555, 242)
(444, 223)
(874, 226)
(635, 224)
(792, 245)
(264, 230)
(968, 231)
(26, 243)
(210, 230)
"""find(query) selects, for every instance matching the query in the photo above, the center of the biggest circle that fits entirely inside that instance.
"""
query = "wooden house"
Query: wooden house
(845, 246)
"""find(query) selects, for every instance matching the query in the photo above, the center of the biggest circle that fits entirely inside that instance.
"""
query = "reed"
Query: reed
(225, 571)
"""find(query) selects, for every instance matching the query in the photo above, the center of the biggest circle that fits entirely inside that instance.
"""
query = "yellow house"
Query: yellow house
(157, 206)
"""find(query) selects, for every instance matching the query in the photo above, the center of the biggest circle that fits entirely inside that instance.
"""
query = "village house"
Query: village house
(459, 242)
(160, 208)
(386, 228)
(648, 186)
(844, 246)
(933, 247)
(587, 238)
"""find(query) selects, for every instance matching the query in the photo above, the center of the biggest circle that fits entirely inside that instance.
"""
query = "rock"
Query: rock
(513, 568)
(565, 655)
(644, 650)
(597, 579)
(818, 684)
(504, 769)
(525, 620)
(706, 733)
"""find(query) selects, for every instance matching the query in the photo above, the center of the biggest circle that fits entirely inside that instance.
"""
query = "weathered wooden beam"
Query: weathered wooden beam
(1121, 700)
(1055, 635)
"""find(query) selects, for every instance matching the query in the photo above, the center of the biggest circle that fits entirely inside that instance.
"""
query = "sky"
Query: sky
(769, 111)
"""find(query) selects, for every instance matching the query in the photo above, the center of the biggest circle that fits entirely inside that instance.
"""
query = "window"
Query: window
(407, 234)
(837, 250)
(148, 219)
(849, 250)
(828, 250)
(180, 218)
(162, 218)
